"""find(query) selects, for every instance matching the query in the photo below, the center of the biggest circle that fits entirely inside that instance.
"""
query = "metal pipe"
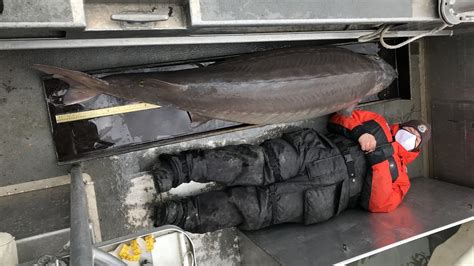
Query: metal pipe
(103, 258)
(81, 239)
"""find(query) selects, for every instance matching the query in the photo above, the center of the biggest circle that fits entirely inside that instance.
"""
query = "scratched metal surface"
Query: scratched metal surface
(430, 204)
(36, 11)
(221, 10)
(450, 81)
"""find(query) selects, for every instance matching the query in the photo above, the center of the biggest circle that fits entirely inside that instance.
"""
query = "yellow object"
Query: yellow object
(63, 118)
(128, 253)
(150, 242)
(135, 247)
(124, 251)
(134, 257)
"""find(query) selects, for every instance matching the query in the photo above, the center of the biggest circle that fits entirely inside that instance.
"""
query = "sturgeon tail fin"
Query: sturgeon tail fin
(82, 87)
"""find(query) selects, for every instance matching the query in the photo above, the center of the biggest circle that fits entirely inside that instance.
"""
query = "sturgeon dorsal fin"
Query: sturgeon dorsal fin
(82, 86)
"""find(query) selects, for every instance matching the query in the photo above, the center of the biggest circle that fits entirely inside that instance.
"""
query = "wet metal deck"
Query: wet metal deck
(429, 206)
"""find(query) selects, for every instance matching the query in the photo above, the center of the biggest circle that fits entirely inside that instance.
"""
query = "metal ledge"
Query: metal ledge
(200, 39)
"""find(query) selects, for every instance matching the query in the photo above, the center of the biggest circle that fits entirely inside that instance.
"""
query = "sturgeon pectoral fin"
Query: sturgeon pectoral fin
(82, 87)
(197, 120)
(74, 96)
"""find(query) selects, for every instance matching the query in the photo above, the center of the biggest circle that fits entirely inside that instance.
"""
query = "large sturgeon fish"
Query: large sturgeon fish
(268, 87)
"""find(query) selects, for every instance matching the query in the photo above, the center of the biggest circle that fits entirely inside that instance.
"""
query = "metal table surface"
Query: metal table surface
(429, 207)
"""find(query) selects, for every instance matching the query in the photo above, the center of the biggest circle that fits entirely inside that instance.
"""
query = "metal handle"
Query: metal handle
(139, 17)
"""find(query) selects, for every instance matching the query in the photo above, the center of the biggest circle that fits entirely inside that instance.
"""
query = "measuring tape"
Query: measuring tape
(83, 115)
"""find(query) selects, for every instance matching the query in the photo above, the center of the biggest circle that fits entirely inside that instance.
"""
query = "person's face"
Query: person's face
(414, 132)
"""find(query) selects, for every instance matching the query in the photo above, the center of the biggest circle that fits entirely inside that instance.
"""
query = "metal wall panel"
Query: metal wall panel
(453, 138)
(273, 12)
(450, 84)
(43, 14)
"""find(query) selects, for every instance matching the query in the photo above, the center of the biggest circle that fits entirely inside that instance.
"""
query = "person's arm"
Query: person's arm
(387, 183)
(351, 126)
(385, 195)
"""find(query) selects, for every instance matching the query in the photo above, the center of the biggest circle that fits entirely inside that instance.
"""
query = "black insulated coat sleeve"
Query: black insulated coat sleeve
(353, 134)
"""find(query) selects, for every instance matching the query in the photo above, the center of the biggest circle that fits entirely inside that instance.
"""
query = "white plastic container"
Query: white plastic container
(8, 252)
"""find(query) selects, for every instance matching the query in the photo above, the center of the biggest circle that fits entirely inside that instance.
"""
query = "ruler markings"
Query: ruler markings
(83, 115)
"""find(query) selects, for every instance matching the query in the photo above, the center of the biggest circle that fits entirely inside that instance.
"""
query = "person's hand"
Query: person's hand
(367, 142)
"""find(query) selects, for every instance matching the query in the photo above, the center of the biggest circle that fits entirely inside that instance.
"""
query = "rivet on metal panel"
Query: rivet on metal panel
(344, 247)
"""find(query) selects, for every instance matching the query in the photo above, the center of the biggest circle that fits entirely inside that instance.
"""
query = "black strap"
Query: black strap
(273, 199)
(345, 197)
(347, 158)
(343, 146)
(273, 162)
